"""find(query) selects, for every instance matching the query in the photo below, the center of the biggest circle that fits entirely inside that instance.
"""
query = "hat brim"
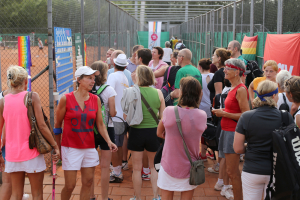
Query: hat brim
(120, 64)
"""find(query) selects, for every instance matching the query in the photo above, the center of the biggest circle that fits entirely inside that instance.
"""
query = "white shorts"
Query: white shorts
(167, 182)
(75, 159)
(34, 165)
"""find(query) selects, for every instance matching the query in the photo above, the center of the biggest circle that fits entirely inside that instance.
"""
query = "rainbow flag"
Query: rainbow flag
(25, 56)
(249, 47)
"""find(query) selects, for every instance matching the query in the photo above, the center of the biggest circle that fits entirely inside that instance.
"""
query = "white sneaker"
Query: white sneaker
(125, 166)
(37, 56)
(218, 186)
(227, 193)
(111, 167)
(242, 157)
(214, 168)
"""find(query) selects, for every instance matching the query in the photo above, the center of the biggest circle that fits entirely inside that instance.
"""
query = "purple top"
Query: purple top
(131, 67)
(174, 159)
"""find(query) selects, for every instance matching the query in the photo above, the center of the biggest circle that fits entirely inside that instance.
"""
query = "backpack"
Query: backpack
(284, 106)
(182, 47)
(167, 89)
(255, 71)
(103, 111)
(285, 177)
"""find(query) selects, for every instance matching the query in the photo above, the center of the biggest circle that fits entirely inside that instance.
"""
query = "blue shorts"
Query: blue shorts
(3, 153)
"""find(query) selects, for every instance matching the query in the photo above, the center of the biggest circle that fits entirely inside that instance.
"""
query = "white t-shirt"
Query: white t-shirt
(281, 101)
(205, 101)
(167, 55)
(119, 82)
(40, 44)
(105, 95)
(297, 113)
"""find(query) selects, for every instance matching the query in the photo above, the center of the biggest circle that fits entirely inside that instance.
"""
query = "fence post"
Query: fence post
(234, 20)
(128, 44)
(242, 16)
(82, 32)
(50, 61)
(212, 25)
(99, 28)
(251, 17)
(222, 24)
(279, 17)
(264, 11)
(117, 33)
(200, 35)
(227, 24)
(206, 35)
(109, 25)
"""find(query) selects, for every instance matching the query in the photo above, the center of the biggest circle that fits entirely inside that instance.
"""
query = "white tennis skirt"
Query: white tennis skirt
(34, 165)
(167, 182)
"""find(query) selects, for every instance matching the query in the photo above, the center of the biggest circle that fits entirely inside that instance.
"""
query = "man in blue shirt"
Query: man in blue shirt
(112, 70)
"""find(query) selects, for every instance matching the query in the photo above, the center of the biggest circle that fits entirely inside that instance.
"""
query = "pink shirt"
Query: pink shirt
(174, 159)
(17, 129)
(159, 80)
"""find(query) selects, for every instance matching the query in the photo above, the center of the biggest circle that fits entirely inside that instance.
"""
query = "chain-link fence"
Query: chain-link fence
(217, 28)
(105, 26)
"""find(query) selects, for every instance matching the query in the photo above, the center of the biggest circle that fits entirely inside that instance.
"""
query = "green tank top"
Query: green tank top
(151, 95)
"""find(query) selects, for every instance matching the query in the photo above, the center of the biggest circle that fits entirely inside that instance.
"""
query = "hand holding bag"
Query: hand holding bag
(36, 138)
(197, 174)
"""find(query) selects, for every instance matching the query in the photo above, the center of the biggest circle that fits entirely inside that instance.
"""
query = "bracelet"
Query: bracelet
(57, 131)
(54, 145)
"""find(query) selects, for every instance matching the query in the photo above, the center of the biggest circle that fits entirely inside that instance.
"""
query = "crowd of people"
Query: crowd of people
(128, 104)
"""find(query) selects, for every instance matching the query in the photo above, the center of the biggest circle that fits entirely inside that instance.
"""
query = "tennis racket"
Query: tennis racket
(120, 127)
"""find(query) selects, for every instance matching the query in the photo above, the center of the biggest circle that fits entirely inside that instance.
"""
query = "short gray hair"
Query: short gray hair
(167, 44)
(281, 77)
(238, 63)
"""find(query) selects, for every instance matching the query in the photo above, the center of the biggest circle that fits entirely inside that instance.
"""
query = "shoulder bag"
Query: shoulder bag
(36, 138)
(167, 89)
(197, 174)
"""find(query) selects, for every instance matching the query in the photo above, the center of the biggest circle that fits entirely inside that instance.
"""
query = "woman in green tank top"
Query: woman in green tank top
(143, 136)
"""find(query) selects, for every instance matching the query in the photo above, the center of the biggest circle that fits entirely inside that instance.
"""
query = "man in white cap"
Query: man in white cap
(119, 82)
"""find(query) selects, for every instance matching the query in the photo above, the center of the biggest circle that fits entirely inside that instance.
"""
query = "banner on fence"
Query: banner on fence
(249, 47)
(63, 60)
(24, 55)
(284, 49)
(154, 32)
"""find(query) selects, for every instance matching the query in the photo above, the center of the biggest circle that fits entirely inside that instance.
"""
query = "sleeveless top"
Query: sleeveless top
(205, 101)
(78, 124)
(17, 128)
(232, 106)
(151, 96)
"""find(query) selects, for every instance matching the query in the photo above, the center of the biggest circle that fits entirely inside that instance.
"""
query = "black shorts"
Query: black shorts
(40, 47)
(99, 140)
(143, 138)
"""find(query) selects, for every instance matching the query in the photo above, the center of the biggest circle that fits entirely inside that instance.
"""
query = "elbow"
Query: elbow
(239, 150)
(113, 114)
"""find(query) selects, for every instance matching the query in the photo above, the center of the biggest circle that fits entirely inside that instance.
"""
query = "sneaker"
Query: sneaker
(214, 168)
(125, 165)
(203, 158)
(37, 56)
(133, 198)
(218, 186)
(210, 156)
(111, 167)
(25, 197)
(146, 177)
(227, 193)
(114, 178)
(158, 198)
(242, 157)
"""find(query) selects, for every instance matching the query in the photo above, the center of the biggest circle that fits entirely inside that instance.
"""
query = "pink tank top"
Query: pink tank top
(17, 128)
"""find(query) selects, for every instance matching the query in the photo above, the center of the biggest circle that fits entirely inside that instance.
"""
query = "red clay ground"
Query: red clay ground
(124, 190)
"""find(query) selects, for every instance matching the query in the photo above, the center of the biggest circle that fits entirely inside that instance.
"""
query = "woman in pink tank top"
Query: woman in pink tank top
(80, 111)
(19, 158)
(235, 104)
(175, 167)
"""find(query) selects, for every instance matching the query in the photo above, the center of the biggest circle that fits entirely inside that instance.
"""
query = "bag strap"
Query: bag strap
(101, 89)
(284, 99)
(149, 108)
(168, 73)
(178, 121)
(284, 118)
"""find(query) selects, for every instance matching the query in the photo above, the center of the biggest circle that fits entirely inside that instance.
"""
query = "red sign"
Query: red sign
(284, 49)
(154, 37)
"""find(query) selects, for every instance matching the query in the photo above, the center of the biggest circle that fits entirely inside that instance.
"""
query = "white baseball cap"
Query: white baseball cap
(121, 60)
(84, 70)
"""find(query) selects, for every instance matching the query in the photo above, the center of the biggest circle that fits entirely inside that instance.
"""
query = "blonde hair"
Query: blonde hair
(271, 63)
(265, 87)
(16, 76)
(144, 75)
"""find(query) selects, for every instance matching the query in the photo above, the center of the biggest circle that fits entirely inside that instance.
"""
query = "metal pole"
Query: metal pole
(234, 20)
(186, 10)
(201, 22)
(222, 24)
(251, 17)
(99, 28)
(82, 32)
(109, 42)
(212, 31)
(117, 32)
(206, 35)
(50, 61)
(136, 9)
(142, 15)
(264, 13)
(227, 24)
(242, 20)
